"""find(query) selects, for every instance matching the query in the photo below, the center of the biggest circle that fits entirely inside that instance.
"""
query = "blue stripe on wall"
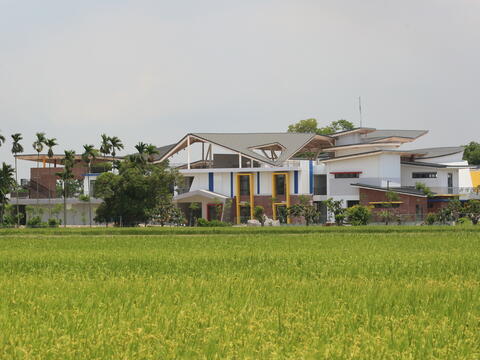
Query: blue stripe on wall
(258, 183)
(295, 182)
(211, 186)
(231, 184)
(310, 175)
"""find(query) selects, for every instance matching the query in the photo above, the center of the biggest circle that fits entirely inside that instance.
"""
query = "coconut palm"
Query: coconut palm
(151, 150)
(17, 148)
(105, 146)
(2, 139)
(89, 155)
(7, 184)
(50, 143)
(65, 176)
(141, 147)
(38, 147)
(115, 144)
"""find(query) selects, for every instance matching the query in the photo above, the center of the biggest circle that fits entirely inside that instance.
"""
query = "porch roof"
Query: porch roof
(199, 193)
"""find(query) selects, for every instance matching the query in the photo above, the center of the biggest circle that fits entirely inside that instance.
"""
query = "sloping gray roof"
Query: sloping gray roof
(162, 150)
(434, 165)
(245, 143)
(382, 134)
(438, 151)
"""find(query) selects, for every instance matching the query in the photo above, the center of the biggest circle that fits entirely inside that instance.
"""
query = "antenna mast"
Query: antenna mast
(360, 110)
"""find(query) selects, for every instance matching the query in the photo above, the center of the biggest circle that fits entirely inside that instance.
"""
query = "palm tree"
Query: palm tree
(141, 148)
(65, 175)
(50, 143)
(2, 139)
(7, 184)
(38, 147)
(115, 144)
(89, 154)
(151, 150)
(17, 148)
(105, 146)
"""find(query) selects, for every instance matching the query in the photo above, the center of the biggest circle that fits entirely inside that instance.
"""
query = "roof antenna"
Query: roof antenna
(360, 109)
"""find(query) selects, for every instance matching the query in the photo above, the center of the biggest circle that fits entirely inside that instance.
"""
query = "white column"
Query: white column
(240, 161)
(188, 152)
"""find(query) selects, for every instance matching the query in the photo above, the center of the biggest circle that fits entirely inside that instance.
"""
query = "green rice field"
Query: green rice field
(240, 293)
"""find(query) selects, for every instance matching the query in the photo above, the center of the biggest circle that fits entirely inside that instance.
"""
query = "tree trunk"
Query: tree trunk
(16, 188)
(64, 203)
(89, 198)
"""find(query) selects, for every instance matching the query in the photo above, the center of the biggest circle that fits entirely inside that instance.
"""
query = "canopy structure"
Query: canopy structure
(269, 148)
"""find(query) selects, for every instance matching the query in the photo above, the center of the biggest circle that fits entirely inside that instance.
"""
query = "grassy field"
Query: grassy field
(369, 293)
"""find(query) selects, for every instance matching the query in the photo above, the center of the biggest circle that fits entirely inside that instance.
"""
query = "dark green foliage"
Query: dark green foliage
(430, 219)
(359, 215)
(212, 223)
(311, 126)
(336, 208)
(259, 214)
(131, 196)
(472, 153)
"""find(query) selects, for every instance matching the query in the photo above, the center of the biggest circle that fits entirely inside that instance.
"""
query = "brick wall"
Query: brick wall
(408, 206)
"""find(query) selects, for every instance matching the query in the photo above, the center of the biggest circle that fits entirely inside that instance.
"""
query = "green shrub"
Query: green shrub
(35, 222)
(359, 215)
(213, 223)
(430, 219)
(52, 222)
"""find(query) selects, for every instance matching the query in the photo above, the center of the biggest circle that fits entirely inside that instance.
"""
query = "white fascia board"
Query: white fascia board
(239, 170)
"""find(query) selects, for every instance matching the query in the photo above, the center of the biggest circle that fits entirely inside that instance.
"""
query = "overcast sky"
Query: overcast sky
(152, 70)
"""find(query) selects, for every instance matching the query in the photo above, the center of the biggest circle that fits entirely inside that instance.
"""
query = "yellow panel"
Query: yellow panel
(475, 175)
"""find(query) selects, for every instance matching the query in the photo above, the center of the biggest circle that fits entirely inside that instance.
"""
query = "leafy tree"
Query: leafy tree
(131, 196)
(472, 153)
(89, 155)
(7, 184)
(336, 208)
(472, 210)
(386, 216)
(17, 148)
(455, 208)
(311, 126)
(304, 209)
(359, 215)
(193, 207)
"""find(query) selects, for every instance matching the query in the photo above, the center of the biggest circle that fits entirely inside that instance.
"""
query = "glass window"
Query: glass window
(319, 184)
(244, 185)
(347, 175)
(424, 175)
(280, 184)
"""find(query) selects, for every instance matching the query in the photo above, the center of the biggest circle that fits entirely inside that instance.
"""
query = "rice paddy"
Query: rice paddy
(370, 293)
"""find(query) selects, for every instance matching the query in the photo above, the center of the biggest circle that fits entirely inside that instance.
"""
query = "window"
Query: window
(347, 175)
(319, 184)
(351, 203)
(244, 185)
(280, 184)
(424, 175)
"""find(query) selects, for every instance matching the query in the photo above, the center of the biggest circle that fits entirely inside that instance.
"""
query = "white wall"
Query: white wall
(441, 181)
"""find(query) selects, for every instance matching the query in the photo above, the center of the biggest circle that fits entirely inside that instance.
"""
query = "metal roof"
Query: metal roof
(435, 165)
(428, 153)
(246, 143)
(383, 134)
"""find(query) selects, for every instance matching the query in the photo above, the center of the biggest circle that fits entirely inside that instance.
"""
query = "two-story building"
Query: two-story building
(241, 170)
